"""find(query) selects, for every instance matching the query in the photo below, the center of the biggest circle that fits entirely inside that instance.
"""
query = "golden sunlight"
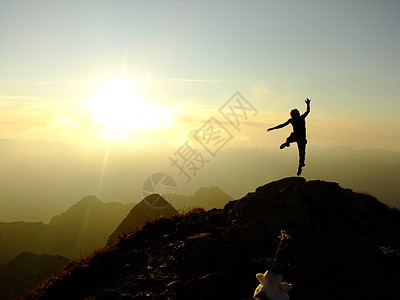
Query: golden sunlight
(119, 106)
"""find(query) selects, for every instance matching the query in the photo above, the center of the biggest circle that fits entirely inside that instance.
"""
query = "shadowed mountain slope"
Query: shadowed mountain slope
(150, 208)
(343, 245)
(26, 271)
(17, 237)
(93, 221)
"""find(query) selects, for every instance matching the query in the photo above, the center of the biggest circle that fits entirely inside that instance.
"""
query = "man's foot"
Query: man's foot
(286, 144)
(299, 171)
(300, 168)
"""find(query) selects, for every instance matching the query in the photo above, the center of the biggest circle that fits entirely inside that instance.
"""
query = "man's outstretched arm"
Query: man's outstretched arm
(307, 101)
(279, 126)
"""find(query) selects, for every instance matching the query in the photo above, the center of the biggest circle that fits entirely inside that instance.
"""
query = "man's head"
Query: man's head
(294, 113)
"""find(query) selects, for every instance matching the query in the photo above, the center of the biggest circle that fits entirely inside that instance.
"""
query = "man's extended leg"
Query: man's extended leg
(302, 152)
(302, 155)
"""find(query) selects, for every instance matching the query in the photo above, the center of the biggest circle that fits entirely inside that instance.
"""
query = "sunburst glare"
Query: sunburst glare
(119, 106)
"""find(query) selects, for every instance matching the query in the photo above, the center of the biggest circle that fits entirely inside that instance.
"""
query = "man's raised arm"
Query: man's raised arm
(307, 101)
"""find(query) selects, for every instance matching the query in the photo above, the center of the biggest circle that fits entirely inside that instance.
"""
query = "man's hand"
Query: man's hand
(269, 129)
(307, 101)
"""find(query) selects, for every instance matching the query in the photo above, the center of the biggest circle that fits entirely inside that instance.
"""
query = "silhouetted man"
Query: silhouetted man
(299, 133)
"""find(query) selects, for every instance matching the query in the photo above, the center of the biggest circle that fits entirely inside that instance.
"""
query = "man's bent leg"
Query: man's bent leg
(291, 139)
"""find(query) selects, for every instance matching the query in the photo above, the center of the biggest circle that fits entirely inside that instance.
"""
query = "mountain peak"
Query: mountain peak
(156, 201)
(89, 200)
(204, 197)
(150, 208)
(78, 211)
(208, 190)
(310, 205)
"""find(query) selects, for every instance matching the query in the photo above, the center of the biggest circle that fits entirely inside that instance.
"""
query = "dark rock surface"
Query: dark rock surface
(335, 250)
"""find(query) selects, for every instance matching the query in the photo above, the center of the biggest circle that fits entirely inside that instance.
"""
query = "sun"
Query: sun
(115, 103)
(119, 105)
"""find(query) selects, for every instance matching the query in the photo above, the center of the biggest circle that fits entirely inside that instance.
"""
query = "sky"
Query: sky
(150, 73)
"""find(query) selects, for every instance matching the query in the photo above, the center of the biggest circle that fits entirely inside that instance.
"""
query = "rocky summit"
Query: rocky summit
(342, 245)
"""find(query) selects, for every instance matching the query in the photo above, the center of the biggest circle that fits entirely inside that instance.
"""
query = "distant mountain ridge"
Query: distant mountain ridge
(29, 165)
(204, 197)
(80, 230)
(338, 250)
(88, 224)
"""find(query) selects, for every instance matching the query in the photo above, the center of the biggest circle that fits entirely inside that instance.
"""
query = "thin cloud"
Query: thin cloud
(213, 82)
(16, 97)
(208, 81)
(65, 122)
(49, 82)
(32, 103)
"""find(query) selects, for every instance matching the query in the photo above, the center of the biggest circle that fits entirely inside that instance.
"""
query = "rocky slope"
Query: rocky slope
(343, 245)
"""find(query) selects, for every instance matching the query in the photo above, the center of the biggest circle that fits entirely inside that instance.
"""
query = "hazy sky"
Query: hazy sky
(61, 64)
